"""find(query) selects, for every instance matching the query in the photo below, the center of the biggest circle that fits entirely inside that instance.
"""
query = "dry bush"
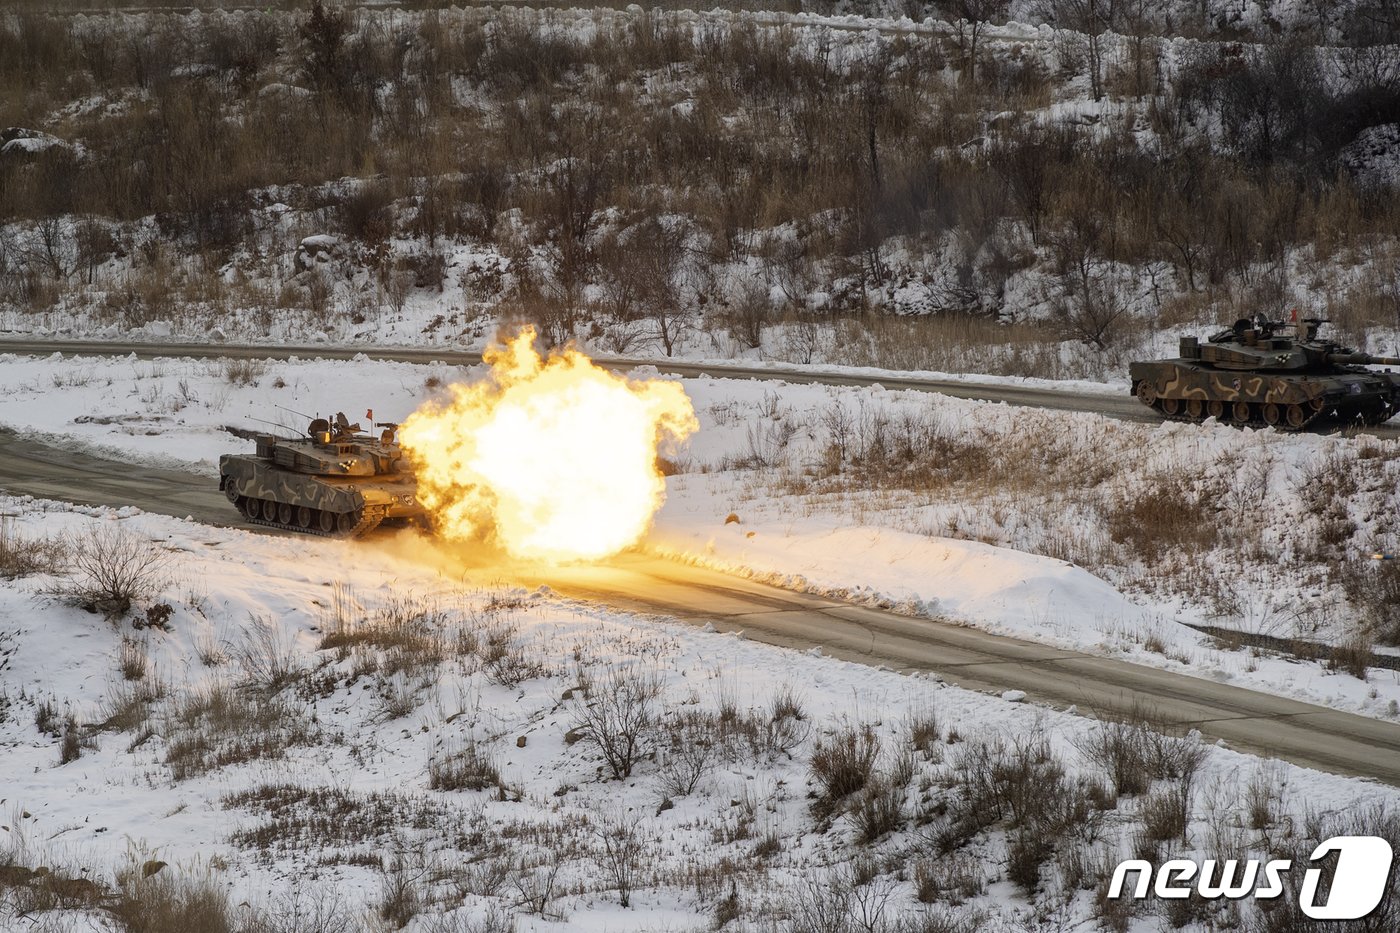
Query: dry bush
(1373, 588)
(113, 568)
(268, 655)
(507, 661)
(70, 745)
(127, 706)
(1161, 516)
(1354, 655)
(1120, 751)
(689, 746)
(172, 902)
(23, 555)
(787, 725)
(877, 809)
(410, 635)
(620, 849)
(132, 660)
(1164, 816)
(472, 768)
(618, 718)
(1263, 794)
(843, 763)
(1023, 786)
(924, 734)
(243, 372)
(956, 877)
(401, 894)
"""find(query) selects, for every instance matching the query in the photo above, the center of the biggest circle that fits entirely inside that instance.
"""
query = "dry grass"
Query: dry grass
(844, 763)
(23, 555)
(345, 826)
(219, 725)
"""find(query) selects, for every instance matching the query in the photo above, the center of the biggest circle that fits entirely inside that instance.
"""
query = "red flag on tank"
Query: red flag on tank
(369, 414)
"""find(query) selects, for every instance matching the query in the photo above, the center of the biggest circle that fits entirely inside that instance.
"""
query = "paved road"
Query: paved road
(1119, 406)
(1305, 734)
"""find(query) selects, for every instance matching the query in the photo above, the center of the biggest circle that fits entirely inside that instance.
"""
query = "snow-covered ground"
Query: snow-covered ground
(276, 759)
(1029, 544)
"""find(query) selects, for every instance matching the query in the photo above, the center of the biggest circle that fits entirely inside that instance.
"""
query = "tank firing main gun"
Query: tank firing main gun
(332, 480)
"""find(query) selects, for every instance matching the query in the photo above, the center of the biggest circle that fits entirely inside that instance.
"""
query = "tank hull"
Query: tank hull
(1185, 389)
(332, 506)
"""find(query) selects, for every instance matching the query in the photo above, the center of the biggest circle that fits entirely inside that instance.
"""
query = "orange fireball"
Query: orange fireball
(554, 456)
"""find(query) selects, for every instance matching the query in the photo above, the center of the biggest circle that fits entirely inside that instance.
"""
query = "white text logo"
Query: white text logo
(1358, 884)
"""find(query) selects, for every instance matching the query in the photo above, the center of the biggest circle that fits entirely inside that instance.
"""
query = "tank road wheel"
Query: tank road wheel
(1295, 416)
(284, 513)
(1171, 405)
(1216, 408)
(269, 510)
(252, 508)
(1145, 393)
(346, 521)
(326, 521)
(1273, 414)
(231, 492)
(304, 517)
(1196, 409)
(1240, 413)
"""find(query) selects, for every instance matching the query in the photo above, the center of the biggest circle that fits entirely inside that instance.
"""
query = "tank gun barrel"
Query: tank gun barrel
(1363, 359)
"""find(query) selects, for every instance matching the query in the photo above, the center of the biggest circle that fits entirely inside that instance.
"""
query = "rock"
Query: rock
(1014, 696)
(151, 867)
(17, 141)
(732, 519)
(317, 249)
(520, 741)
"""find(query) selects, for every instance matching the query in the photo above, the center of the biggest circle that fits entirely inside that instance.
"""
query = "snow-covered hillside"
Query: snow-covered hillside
(1050, 194)
(286, 727)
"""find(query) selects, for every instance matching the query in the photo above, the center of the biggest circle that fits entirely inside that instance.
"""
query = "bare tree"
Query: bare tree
(972, 17)
(1088, 21)
(658, 249)
(51, 247)
(619, 717)
(1089, 307)
(621, 847)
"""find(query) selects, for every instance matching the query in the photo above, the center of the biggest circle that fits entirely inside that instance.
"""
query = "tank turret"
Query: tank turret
(1277, 373)
(336, 481)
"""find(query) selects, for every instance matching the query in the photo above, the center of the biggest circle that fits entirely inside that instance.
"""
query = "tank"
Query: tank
(336, 481)
(1274, 373)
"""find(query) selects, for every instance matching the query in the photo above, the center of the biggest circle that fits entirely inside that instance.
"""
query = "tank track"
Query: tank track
(369, 520)
(1256, 419)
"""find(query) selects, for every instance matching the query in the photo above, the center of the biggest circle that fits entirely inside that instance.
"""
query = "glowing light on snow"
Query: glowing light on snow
(554, 456)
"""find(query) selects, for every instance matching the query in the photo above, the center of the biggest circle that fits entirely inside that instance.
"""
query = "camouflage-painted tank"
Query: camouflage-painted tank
(1269, 373)
(334, 482)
